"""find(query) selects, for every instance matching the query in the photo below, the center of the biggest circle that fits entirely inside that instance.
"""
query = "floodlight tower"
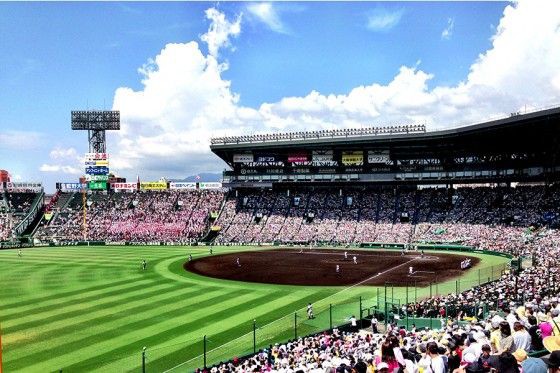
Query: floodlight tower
(96, 122)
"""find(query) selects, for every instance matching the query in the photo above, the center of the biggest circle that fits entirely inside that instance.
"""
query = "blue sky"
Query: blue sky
(273, 67)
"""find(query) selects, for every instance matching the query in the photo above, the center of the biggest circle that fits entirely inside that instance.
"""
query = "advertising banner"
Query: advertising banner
(182, 185)
(97, 170)
(353, 158)
(97, 185)
(71, 187)
(102, 163)
(322, 155)
(243, 158)
(377, 157)
(96, 156)
(124, 186)
(297, 157)
(153, 185)
(265, 158)
(209, 185)
(23, 187)
(97, 177)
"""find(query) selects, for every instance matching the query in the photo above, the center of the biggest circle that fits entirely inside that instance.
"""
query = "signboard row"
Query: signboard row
(148, 185)
(352, 158)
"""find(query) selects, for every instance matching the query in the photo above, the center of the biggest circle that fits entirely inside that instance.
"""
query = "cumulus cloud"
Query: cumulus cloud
(267, 14)
(12, 139)
(166, 126)
(448, 30)
(64, 160)
(218, 35)
(381, 19)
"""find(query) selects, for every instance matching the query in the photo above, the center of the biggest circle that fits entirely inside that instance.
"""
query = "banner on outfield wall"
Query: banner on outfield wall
(23, 187)
(378, 157)
(153, 185)
(353, 158)
(97, 170)
(242, 158)
(71, 187)
(209, 185)
(182, 185)
(97, 185)
(322, 156)
(124, 186)
(298, 157)
(96, 156)
(97, 177)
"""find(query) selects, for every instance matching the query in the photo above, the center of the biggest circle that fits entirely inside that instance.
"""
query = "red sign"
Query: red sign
(300, 157)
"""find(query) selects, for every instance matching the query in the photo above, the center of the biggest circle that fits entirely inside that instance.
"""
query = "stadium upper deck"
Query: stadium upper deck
(518, 148)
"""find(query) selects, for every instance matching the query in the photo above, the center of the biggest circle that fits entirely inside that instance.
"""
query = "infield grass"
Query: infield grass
(93, 308)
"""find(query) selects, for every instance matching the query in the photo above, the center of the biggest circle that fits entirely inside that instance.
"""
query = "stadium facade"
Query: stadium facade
(521, 148)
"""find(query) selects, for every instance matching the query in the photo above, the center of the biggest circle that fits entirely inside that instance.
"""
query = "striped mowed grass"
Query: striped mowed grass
(80, 309)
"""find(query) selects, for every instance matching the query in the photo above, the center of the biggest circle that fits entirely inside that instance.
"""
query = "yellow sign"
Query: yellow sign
(153, 185)
(353, 158)
(102, 163)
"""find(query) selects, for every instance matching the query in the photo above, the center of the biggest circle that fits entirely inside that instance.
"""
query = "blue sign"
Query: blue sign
(97, 170)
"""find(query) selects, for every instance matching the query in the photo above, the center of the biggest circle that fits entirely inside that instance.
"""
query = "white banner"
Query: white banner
(209, 185)
(182, 185)
(124, 186)
(378, 157)
(242, 158)
(96, 156)
(23, 187)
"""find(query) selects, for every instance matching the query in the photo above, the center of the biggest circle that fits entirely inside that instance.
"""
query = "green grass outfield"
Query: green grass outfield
(93, 308)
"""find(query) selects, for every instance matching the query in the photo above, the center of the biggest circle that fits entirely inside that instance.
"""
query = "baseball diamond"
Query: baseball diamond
(317, 267)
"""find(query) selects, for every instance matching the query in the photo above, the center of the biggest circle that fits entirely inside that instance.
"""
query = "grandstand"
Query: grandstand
(489, 188)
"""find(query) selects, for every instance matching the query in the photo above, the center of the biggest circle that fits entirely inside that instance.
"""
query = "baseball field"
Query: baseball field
(80, 309)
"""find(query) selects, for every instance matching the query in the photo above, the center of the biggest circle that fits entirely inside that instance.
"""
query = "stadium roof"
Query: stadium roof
(537, 132)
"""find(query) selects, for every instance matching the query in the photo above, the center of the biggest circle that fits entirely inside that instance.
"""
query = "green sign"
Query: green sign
(97, 177)
(98, 185)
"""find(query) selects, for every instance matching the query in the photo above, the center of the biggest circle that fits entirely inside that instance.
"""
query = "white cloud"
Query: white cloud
(60, 169)
(184, 101)
(267, 14)
(19, 140)
(381, 19)
(220, 31)
(448, 31)
(64, 160)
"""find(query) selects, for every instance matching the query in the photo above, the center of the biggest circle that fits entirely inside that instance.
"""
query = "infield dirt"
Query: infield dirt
(318, 267)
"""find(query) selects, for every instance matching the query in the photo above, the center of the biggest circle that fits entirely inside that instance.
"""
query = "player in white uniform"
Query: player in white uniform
(238, 262)
(410, 270)
(337, 268)
(355, 259)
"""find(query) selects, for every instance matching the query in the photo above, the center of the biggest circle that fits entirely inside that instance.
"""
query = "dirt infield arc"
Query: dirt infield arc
(318, 267)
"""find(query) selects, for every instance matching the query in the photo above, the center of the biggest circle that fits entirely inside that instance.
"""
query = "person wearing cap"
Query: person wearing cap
(534, 365)
(552, 361)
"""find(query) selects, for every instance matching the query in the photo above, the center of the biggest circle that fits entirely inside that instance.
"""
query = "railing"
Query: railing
(310, 135)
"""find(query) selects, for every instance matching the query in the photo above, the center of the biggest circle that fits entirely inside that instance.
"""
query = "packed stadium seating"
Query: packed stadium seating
(488, 217)
(171, 216)
(13, 207)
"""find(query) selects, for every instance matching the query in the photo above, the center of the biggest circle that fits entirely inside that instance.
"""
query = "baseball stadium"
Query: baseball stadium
(314, 248)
